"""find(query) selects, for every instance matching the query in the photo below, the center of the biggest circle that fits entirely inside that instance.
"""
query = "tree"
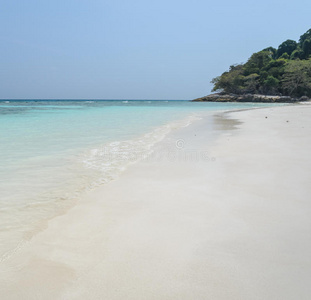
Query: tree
(256, 62)
(285, 55)
(272, 51)
(297, 54)
(297, 78)
(305, 36)
(251, 83)
(271, 85)
(275, 68)
(289, 46)
(306, 48)
(229, 82)
(286, 70)
(305, 44)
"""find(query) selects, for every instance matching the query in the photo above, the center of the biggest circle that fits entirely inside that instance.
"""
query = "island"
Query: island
(270, 75)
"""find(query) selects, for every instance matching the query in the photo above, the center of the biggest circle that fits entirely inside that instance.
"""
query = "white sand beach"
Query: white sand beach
(221, 214)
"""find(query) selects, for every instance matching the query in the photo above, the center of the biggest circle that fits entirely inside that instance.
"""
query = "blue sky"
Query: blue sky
(117, 49)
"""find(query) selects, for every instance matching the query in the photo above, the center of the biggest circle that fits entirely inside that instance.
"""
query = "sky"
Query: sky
(134, 49)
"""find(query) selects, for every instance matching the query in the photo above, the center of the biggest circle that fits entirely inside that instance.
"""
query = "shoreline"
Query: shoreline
(212, 215)
(95, 165)
(114, 156)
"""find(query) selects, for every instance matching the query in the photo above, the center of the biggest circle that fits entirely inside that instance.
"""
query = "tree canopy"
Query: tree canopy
(282, 71)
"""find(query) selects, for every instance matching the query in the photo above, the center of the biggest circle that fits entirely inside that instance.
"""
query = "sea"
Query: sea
(53, 151)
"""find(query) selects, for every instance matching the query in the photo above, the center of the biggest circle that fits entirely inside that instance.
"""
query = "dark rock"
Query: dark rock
(219, 97)
(304, 98)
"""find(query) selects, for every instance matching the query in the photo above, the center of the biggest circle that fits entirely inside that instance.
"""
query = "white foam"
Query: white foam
(109, 160)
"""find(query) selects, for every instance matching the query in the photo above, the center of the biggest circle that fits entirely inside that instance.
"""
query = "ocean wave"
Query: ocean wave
(110, 160)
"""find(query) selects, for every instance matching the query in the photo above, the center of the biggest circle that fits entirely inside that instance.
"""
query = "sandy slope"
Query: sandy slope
(204, 218)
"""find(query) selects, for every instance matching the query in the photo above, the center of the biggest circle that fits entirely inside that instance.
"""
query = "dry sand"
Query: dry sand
(221, 214)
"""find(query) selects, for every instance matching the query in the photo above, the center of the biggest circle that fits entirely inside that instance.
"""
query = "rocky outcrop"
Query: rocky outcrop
(249, 98)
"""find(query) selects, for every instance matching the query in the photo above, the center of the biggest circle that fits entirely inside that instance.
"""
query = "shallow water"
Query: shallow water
(52, 151)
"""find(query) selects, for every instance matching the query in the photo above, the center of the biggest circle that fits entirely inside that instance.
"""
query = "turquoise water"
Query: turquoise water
(52, 151)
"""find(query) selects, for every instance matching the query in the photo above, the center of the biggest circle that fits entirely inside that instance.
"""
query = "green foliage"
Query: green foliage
(306, 48)
(305, 44)
(271, 82)
(270, 85)
(272, 51)
(257, 62)
(251, 83)
(275, 68)
(297, 78)
(285, 55)
(230, 81)
(282, 71)
(286, 47)
(305, 36)
(297, 54)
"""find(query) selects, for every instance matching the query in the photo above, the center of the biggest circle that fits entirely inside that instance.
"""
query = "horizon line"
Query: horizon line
(87, 99)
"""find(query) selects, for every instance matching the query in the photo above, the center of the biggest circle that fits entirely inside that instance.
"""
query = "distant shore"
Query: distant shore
(220, 97)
